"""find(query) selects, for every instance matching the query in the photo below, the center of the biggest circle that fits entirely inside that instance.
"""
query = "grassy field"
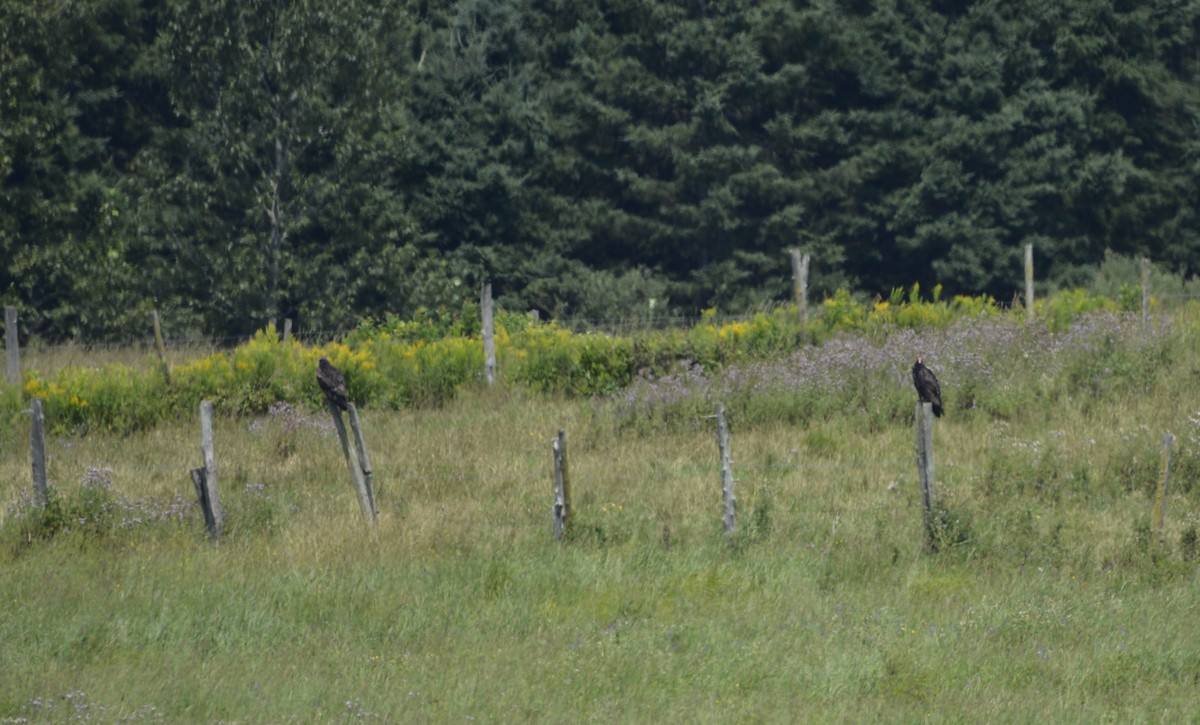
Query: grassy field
(1048, 601)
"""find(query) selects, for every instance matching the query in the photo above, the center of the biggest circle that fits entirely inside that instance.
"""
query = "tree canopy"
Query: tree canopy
(228, 161)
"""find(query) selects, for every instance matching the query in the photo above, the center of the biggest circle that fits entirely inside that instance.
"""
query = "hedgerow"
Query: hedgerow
(394, 363)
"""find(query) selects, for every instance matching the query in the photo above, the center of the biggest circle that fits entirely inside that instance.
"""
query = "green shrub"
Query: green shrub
(425, 361)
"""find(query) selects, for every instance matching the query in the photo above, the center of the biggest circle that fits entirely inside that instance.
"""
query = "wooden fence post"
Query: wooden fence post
(1145, 289)
(287, 329)
(12, 347)
(1029, 281)
(210, 500)
(364, 462)
(357, 464)
(162, 349)
(729, 513)
(37, 445)
(800, 281)
(562, 487)
(1160, 497)
(489, 341)
(924, 425)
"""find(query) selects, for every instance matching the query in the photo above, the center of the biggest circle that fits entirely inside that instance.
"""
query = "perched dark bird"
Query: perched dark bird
(927, 386)
(333, 384)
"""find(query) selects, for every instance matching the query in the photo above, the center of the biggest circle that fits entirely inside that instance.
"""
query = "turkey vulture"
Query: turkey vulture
(927, 386)
(333, 384)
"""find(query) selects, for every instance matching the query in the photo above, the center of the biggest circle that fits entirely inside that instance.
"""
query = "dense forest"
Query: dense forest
(228, 161)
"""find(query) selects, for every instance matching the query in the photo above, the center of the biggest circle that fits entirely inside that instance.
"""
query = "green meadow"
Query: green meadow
(1051, 597)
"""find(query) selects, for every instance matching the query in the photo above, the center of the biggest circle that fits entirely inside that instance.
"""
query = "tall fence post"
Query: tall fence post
(205, 479)
(359, 466)
(287, 329)
(924, 426)
(12, 346)
(162, 348)
(37, 445)
(800, 282)
(562, 487)
(1029, 281)
(364, 461)
(489, 341)
(729, 503)
(1160, 497)
(1145, 289)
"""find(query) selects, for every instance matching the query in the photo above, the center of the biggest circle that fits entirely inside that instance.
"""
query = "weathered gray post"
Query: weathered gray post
(200, 483)
(800, 282)
(12, 346)
(287, 329)
(924, 425)
(1160, 497)
(162, 348)
(1145, 289)
(489, 340)
(729, 513)
(364, 462)
(1029, 281)
(210, 500)
(357, 464)
(37, 445)
(562, 487)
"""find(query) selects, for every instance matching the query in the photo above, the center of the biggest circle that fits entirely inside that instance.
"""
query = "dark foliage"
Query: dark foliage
(228, 162)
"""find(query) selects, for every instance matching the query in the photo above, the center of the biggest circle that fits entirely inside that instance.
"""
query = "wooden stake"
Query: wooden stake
(562, 487)
(12, 346)
(489, 341)
(162, 349)
(364, 462)
(924, 425)
(214, 518)
(729, 513)
(800, 282)
(1160, 498)
(1029, 281)
(200, 483)
(287, 329)
(37, 445)
(366, 500)
(1145, 289)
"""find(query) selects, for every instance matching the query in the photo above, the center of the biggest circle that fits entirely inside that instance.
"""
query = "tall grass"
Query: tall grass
(1053, 602)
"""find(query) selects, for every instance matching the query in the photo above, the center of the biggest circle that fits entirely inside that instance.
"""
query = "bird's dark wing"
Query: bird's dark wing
(333, 384)
(927, 387)
(931, 391)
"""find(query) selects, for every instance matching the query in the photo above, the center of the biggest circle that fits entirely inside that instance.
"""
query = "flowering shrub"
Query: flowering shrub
(125, 397)
(548, 358)
(1065, 307)
(982, 364)
(424, 361)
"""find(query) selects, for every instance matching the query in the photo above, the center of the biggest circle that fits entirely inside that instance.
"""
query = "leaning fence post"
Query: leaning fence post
(1160, 497)
(359, 469)
(489, 340)
(12, 348)
(162, 349)
(562, 487)
(37, 445)
(729, 503)
(1029, 281)
(364, 462)
(924, 425)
